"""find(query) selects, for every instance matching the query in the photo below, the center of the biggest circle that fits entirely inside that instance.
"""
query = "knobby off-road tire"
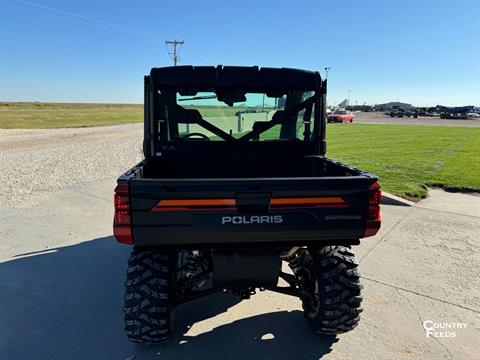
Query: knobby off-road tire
(336, 282)
(149, 309)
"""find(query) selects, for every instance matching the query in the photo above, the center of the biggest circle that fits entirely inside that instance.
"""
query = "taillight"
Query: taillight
(373, 216)
(122, 229)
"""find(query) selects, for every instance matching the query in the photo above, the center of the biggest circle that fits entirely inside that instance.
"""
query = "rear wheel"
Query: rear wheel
(149, 308)
(335, 305)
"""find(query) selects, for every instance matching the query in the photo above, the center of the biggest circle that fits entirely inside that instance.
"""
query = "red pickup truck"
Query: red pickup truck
(340, 116)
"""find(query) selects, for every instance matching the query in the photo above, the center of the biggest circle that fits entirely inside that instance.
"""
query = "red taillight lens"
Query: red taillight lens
(122, 229)
(122, 209)
(373, 217)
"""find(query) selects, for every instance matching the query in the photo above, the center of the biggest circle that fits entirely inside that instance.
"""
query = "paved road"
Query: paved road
(380, 118)
(61, 283)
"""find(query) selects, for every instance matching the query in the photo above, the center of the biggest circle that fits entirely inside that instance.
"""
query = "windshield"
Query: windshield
(231, 115)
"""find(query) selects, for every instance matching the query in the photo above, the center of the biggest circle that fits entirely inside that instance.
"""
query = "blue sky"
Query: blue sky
(421, 52)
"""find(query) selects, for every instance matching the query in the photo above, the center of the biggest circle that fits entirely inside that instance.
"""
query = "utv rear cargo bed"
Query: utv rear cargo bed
(243, 166)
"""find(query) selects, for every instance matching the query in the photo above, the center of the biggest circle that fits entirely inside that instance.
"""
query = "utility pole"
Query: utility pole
(327, 69)
(174, 54)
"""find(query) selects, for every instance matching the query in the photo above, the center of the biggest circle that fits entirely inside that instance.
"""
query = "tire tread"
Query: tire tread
(148, 305)
(339, 291)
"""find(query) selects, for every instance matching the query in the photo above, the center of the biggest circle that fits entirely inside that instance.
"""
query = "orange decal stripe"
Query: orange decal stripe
(195, 204)
(310, 202)
(307, 201)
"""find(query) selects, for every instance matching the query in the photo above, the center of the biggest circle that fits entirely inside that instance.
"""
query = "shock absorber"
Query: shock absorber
(300, 265)
(295, 262)
(192, 263)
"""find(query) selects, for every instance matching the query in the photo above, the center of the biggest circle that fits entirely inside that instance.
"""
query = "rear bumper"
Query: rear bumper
(335, 120)
(336, 232)
(246, 245)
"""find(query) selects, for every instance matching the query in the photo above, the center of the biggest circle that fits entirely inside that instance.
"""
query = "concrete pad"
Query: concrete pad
(431, 252)
(66, 217)
(391, 216)
(67, 304)
(392, 328)
(62, 274)
(466, 204)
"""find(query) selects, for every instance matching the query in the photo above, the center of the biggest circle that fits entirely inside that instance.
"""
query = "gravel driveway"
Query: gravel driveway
(36, 162)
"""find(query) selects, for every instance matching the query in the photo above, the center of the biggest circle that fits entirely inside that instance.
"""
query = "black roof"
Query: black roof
(235, 76)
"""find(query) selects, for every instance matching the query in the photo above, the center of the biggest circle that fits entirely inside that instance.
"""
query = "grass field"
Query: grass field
(407, 158)
(50, 115)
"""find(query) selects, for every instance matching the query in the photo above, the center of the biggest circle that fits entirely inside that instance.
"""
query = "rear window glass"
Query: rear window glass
(223, 115)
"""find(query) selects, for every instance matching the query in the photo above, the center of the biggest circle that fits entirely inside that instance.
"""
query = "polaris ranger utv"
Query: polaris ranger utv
(235, 181)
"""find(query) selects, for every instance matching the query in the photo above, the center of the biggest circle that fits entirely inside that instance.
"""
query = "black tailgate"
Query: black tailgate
(197, 212)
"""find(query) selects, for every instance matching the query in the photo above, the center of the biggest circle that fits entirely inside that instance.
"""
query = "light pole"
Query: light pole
(349, 91)
(327, 69)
